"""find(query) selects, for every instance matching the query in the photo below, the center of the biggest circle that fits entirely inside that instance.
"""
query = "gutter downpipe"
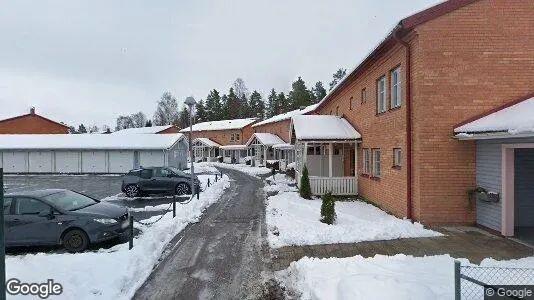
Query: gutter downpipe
(409, 209)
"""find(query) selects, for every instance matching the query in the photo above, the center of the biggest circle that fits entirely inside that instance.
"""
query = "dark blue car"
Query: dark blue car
(61, 217)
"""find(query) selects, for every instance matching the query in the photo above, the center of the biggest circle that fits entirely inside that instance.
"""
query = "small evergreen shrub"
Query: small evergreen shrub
(328, 209)
(305, 188)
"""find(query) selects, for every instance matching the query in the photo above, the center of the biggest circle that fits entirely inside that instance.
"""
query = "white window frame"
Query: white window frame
(377, 167)
(397, 157)
(231, 137)
(366, 161)
(396, 95)
(237, 137)
(381, 95)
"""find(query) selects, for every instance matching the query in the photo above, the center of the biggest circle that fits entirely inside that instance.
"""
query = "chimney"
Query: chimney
(32, 110)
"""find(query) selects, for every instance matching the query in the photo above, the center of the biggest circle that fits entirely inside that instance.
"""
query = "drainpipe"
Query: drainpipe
(409, 210)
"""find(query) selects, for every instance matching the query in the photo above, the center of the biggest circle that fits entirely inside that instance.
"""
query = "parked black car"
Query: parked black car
(157, 180)
(61, 217)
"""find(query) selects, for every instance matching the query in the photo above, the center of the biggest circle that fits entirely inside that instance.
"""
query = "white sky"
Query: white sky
(88, 61)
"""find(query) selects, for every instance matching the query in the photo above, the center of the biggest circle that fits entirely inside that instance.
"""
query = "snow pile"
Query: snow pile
(252, 171)
(293, 220)
(518, 118)
(324, 127)
(280, 183)
(203, 167)
(114, 273)
(382, 277)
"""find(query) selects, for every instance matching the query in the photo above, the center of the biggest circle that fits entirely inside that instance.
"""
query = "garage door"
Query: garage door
(15, 162)
(67, 162)
(94, 162)
(151, 158)
(40, 161)
(121, 161)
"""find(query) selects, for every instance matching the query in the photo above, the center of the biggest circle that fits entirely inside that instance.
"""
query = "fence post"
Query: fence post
(130, 246)
(215, 177)
(208, 182)
(457, 281)
(198, 194)
(174, 205)
(2, 240)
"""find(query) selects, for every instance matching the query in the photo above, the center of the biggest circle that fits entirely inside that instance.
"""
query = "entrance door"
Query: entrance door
(524, 194)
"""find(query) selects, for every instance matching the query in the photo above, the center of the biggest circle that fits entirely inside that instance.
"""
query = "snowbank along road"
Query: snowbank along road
(220, 257)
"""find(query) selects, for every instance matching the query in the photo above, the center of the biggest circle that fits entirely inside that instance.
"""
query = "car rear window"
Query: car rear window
(7, 205)
(146, 174)
(135, 173)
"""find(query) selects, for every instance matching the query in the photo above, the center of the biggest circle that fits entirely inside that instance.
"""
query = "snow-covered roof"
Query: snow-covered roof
(266, 139)
(284, 146)
(234, 147)
(287, 115)
(88, 141)
(207, 142)
(323, 127)
(512, 120)
(147, 130)
(221, 125)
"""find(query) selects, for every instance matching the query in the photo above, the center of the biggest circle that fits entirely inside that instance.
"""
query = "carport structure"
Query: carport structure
(260, 147)
(234, 154)
(205, 149)
(90, 153)
(504, 140)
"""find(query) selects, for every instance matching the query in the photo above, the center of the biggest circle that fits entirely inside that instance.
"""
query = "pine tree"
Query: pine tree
(213, 106)
(299, 96)
(338, 75)
(272, 105)
(148, 123)
(82, 129)
(200, 112)
(232, 107)
(319, 92)
(72, 130)
(256, 105)
(223, 114)
(328, 209)
(183, 118)
(305, 188)
(283, 104)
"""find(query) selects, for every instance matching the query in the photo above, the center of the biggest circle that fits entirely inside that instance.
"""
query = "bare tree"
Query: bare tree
(167, 111)
(139, 119)
(124, 122)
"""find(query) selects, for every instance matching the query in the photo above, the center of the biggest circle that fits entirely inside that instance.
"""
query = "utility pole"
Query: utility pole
(190, 102)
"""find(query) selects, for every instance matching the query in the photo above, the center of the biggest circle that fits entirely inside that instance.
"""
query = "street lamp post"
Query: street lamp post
(190, 102)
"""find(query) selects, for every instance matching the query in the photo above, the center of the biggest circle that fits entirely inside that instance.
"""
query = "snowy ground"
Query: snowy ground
(253, 171)
(113, 273)
(293, 220)
(386, 277)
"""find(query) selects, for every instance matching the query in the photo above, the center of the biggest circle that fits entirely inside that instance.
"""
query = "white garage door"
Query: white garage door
(15, 162)
(151, 158)
(40, 161)
(94, 162)
(121, 161)
(67, 162)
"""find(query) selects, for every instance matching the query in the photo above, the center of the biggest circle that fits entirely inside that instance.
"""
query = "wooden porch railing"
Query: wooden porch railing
(336, 185)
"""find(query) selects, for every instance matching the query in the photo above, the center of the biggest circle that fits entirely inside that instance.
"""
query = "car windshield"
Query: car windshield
(177, 171)
(68, 200)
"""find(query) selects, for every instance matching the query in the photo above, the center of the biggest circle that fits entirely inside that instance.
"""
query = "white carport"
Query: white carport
(90, 153)
(260, 147)
(234, 154)
(205, 149)
(285, 154)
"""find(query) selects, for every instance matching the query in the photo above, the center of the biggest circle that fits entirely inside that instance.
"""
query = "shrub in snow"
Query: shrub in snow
(328, 209)
(305, 188)
(291, 173)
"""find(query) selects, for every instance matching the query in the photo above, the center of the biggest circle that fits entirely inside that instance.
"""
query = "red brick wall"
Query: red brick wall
(31, 124)
(385, 131)
(172, 129)
(469, 61)
(223, 136)
(280, 129)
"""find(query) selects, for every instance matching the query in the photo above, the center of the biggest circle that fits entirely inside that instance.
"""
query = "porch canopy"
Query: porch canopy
(206, 149)
(327, 145)
(514, 120)
(260, 147)
(265, 139)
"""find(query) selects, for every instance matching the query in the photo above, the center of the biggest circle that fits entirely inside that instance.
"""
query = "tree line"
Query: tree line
(237, 103)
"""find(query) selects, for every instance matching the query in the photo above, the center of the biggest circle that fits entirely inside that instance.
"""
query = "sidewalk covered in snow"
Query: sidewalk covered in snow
(327, 145)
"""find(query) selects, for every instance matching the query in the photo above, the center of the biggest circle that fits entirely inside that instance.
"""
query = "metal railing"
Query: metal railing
(471, 282)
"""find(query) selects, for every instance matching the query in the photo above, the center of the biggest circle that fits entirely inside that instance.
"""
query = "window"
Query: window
(160, 172)
(397, 157)
(146, 174)
(364, 95)
(366, 162)
(311, 151)
(7, 205)
(381, 95)
(29, 206)
(376, 162)
(396, 97)
(69, 200)
(350, 103)
(237, 137)
(232, 137)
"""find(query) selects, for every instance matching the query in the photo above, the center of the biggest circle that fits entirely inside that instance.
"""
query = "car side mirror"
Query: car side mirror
(48, 213)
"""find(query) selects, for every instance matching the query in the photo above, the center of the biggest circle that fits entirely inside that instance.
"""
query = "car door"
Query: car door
(145, 180)
(168, 180)
(162, 180)
(8, 219)
(28, 228)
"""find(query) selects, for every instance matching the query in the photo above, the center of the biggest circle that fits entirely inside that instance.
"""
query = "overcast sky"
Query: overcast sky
(89, 61)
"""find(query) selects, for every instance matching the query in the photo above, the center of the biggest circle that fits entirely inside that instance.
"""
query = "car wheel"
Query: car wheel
(132, 190)
(75, 240)
(182, 189)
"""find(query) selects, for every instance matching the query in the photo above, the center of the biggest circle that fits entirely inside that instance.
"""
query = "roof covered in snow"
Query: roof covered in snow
(323, 127)
(284, 146)
(234, 147)
(207, 142)
(517, 118)
(88, 141)
(148, 130)
(287, 115)
(266, 139)
(221, 125)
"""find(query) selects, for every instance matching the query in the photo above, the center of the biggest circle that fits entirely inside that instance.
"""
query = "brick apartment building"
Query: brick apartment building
(31, 123)
(436, 69)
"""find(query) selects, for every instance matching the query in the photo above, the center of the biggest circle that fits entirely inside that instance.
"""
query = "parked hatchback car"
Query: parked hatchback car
(157, 180)
(61, 217)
